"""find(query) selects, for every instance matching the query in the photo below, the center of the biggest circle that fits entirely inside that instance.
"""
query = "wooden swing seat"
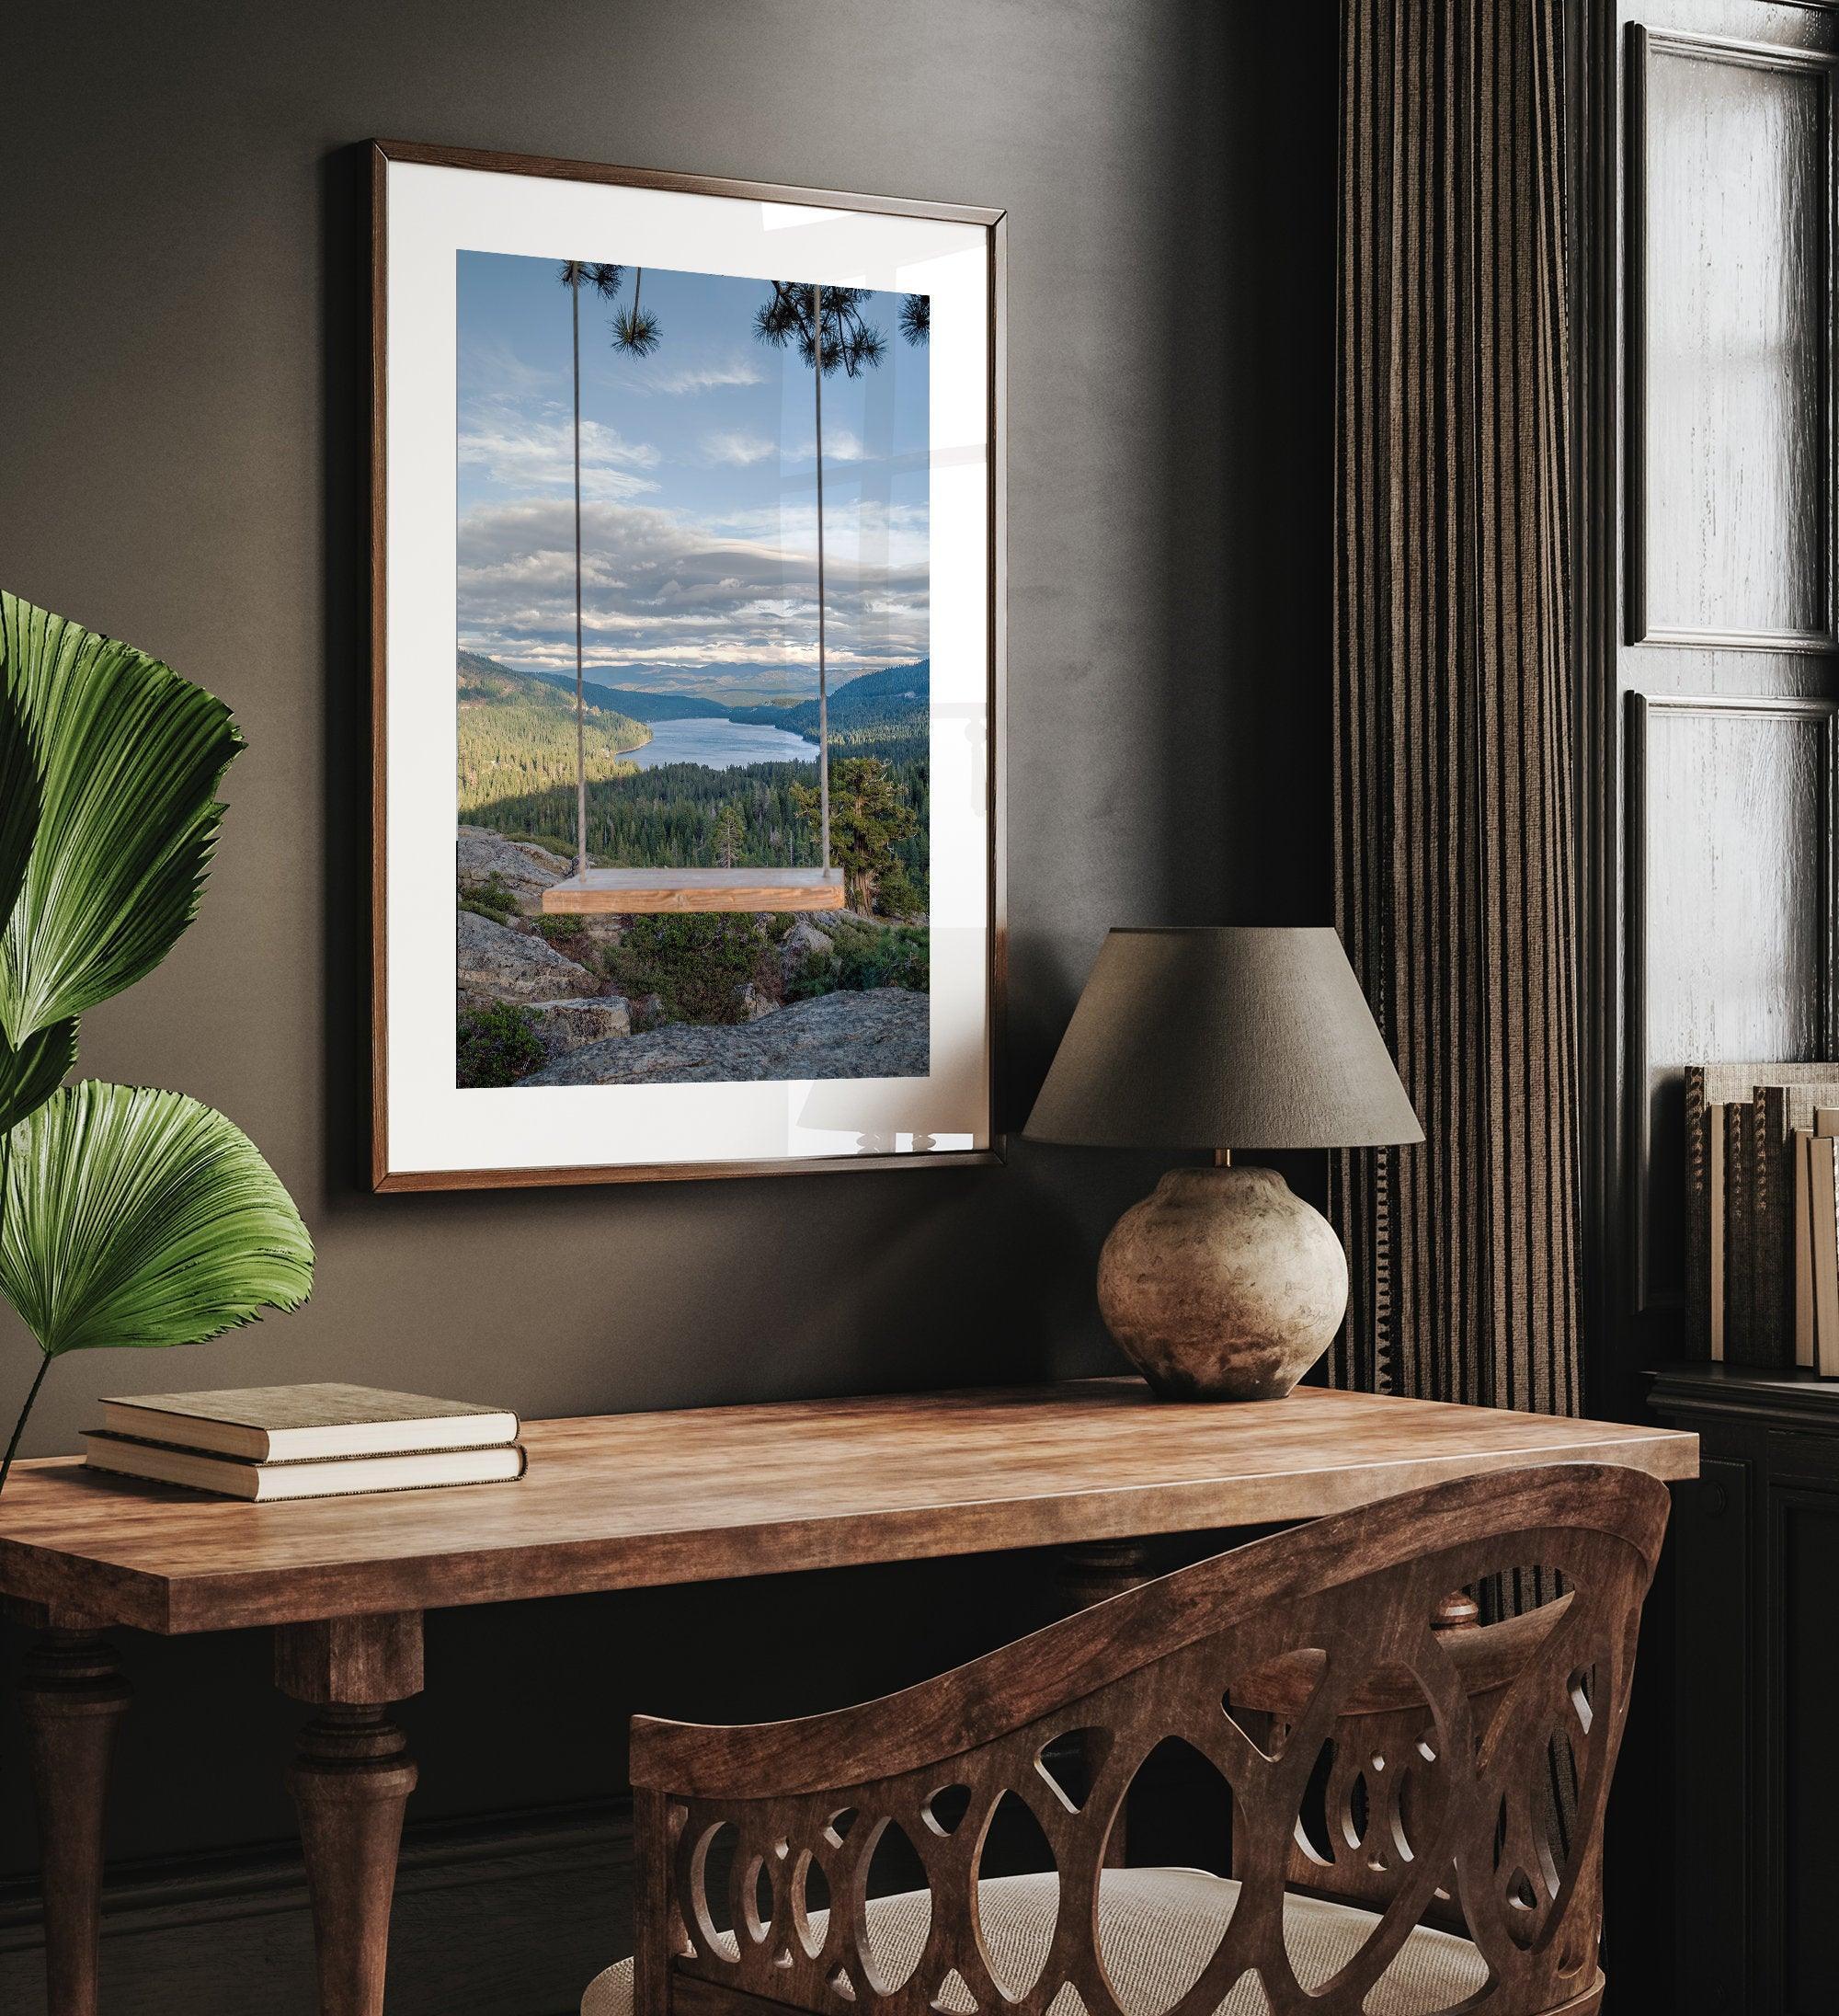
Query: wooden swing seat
(632, 889)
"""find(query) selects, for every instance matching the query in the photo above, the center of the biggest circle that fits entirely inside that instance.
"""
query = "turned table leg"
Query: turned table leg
(71, 1694)
(350, 1781)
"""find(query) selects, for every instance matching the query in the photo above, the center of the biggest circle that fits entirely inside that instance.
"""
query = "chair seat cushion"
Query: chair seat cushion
(1157, 1929)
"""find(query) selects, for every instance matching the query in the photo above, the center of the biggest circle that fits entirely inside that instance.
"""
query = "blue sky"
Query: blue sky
(697, 484)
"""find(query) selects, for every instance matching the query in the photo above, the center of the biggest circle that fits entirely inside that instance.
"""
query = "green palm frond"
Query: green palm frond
(140, 1218)
(860, 349)
(600, 274)
(777, 320)
(19, 793)
(127, 757)
(635, 332)
(28, 1075)
(789, 315)
(31, 1074)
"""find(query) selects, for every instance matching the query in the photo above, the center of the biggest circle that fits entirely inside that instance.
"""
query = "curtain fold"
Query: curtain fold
(1454, 711)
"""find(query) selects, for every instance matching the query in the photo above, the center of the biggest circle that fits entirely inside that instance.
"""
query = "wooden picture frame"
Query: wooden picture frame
(402, 1157)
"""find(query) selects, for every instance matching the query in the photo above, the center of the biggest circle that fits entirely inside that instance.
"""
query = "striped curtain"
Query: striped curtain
(1453, 741)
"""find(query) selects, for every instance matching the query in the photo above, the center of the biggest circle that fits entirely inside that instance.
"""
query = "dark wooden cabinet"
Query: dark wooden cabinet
(1754, 1679)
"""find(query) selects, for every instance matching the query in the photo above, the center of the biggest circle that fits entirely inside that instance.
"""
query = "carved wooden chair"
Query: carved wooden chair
(1416, 1813)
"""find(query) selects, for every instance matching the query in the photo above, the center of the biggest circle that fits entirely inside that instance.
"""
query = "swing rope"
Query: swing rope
(823, 679)
(580, 706)
(823, 682)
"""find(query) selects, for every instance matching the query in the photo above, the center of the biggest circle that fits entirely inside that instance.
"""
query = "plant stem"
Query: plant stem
(19, 1426)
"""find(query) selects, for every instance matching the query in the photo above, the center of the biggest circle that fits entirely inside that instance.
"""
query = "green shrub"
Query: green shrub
(867, 956)
(498, 1045)
(697, 966)
(492, 897)
(813, 979)
(897, 894)
(568, 936)
(900, 956)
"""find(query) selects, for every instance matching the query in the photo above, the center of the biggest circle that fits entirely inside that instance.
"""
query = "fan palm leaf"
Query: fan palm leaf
(143, 1218)
(127, 757)
(19, 793)
(31, 1074)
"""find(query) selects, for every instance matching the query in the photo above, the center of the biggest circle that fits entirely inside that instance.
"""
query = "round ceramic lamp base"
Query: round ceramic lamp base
(1222, 1285)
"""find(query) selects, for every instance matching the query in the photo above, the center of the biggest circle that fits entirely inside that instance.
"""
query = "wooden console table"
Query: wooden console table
(627, 1502)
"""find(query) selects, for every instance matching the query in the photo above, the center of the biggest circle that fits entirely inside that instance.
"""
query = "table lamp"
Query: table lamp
(1223, 1284)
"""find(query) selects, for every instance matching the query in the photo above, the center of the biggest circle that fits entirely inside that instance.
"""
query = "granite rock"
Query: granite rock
(885, 1032)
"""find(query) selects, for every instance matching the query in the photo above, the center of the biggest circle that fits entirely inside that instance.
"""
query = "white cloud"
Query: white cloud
(738, 448)
(517, 453)
(707, 376)
(898, 534)
(659, 587)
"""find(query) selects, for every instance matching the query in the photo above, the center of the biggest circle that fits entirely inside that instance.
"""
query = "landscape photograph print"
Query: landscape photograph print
(692, 674)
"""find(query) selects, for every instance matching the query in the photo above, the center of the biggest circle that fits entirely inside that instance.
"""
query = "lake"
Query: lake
(721, 744)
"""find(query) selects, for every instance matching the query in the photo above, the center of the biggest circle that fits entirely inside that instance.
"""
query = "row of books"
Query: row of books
(1762, 1216)
(313, 1441)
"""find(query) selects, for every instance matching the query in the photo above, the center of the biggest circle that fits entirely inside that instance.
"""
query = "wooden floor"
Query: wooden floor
(634, 889)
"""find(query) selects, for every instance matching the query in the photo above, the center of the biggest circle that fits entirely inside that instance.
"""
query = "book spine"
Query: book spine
(1698, 1271)
(1772, 1215)
(1739, 1300)
(1714, 1134)
(1824, 1199)
(1830, 1226)
(1801, 1154)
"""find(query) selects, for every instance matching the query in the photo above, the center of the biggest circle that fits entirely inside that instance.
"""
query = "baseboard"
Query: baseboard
(510, 1915)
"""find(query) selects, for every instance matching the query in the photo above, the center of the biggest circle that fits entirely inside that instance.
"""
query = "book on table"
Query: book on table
(302, 1423)
(310, 1442)
(326, 1477)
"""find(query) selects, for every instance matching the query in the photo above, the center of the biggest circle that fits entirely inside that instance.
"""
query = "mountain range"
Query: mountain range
(641, 706)
(891, 698)
(732, 682)
(518, 734)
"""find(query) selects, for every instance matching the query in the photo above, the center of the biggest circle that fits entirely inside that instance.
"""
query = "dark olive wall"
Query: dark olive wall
(182, 364)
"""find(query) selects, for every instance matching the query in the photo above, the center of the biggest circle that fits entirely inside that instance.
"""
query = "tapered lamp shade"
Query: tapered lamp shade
(1234, 1036)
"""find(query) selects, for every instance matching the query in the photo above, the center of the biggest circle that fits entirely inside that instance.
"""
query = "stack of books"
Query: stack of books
(1762, 1214)
(323, 1441)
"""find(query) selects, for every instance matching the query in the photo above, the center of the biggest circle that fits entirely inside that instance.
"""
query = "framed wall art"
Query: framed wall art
(686, 607)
